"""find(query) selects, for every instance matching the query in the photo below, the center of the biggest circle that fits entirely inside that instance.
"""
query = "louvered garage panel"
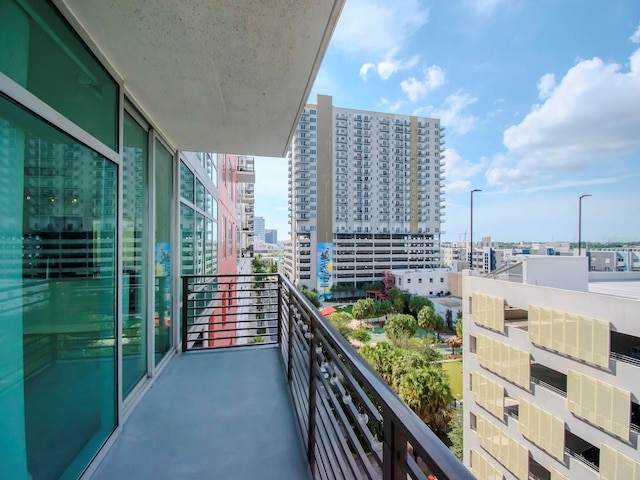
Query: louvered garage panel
(571, 335)
(557, 330)
(616, 466)
(601, 342)
(556, 475)
(534, 324)
(621, 413)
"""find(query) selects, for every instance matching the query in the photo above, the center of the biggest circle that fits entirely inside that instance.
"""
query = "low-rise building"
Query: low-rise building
(551, 367)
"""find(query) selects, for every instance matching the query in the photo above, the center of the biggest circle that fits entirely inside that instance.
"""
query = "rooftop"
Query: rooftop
(625, 289)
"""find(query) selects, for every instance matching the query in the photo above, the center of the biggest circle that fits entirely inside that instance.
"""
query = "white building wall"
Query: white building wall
(620, 312)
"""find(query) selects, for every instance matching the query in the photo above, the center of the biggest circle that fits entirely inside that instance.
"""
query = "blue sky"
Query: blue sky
(540, 99)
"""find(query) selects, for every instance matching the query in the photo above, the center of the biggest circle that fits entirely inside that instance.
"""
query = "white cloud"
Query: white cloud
(453, 112)
(546, 84)
(378, 26)
(458, 186)
(594, 113)
(364, 70)
(635, 38)
(459, 168)
(379, 30)
(434, 77)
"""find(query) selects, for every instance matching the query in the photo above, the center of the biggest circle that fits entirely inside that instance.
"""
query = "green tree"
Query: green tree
(427, 392)
(427, 317)
(459, 324)
(312, 295)
(455, 432)
(406, 361)
(400, 328)
(417, 302)
(364, 308)
(439, 326)
(383, 307)
(341, 321)
(381, 357)
(361, 334)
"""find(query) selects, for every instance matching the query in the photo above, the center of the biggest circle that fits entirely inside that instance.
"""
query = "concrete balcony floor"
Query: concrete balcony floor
(223, 414)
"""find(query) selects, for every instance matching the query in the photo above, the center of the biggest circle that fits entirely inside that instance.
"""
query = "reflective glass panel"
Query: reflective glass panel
(186, 234)
(163, 297)
(57, 301)
(134, 254)
(40, 52)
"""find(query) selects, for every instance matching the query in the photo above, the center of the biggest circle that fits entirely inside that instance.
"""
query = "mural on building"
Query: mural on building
(325, 271)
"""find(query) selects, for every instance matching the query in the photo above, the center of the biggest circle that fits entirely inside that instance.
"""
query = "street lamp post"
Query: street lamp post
(471, 239)
(580, 222)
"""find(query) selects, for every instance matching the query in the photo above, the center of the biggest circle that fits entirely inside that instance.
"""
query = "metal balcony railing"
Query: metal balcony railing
(352, 424)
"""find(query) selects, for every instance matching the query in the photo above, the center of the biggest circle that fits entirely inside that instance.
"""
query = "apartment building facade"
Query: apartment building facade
(550, 377)
(365, 195)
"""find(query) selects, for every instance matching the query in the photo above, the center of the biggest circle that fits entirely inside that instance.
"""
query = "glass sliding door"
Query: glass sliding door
(57, 303)
(163, 215)
(134, 254)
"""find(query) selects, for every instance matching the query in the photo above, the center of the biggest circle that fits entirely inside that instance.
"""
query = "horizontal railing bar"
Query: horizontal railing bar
(350, 431)
(330, 405)
(362, 396)
(333, 445)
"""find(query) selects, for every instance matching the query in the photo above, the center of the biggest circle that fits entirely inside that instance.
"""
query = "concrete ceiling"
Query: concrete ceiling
(228, 76)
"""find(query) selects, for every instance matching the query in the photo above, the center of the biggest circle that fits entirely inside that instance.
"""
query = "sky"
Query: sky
(540, 100)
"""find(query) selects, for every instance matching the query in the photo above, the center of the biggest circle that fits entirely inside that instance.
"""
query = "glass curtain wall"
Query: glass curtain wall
(163, 213)
(57, 251)
(57, 310)
(134, 254)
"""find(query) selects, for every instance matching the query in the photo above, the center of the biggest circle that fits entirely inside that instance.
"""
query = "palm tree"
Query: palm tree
(427, 392)
(400, 328)
(382, 357)
(427, 317)
(364, 308)
(417, 303)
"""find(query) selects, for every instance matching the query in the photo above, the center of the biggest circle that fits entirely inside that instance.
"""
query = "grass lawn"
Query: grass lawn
(454, 369)
(348, 309)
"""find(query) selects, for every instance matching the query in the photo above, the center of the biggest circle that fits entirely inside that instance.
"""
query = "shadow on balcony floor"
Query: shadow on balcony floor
(225, 414)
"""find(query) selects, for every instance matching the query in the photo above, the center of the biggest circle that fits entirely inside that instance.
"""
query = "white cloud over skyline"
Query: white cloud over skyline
(594, 113)
(434, 77)
(453, 113)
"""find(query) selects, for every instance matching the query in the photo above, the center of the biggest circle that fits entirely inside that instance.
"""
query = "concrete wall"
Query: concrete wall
(455, 284)
(613, 276)
(568, 273)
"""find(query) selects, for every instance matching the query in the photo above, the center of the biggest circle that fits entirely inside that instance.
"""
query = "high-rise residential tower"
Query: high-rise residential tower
(365, 195)
(258, 228)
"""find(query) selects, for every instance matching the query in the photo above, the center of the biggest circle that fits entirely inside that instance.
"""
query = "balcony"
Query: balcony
(267, 388)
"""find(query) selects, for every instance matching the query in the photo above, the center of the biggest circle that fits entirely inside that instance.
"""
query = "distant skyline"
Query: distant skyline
(540, 100)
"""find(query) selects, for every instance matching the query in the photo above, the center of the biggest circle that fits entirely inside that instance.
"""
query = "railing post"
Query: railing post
(394, 451)
(279, 318)
(185, 312)
(311, 438)
(290, 335)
